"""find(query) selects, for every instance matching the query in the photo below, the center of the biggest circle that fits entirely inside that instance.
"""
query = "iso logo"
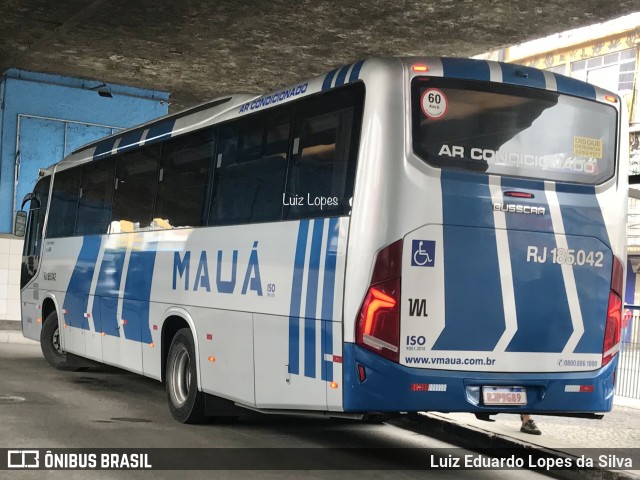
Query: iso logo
(23, 459)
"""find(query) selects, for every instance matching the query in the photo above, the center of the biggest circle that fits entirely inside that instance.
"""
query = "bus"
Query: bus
(397, 235)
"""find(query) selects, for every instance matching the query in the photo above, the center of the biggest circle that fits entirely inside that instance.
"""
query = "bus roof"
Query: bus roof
(451, 67)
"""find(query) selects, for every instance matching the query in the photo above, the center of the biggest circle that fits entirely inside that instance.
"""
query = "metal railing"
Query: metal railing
(628, 374)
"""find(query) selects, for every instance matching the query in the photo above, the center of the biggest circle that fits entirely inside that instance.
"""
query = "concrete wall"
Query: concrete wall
(10, 262)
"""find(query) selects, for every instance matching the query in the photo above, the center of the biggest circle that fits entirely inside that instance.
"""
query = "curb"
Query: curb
(15, 337)
(475, 439)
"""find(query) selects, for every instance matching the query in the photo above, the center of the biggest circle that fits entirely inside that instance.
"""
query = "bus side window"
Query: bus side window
(96, 197)
(33, 237)
(323, 161)
(64, 203)
(37, 210)
(251, 166)
(185, 164)
(135, 185)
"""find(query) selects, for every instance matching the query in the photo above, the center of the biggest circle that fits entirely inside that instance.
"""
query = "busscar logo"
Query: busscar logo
(23, 459)
(423, 253)
(518, 208)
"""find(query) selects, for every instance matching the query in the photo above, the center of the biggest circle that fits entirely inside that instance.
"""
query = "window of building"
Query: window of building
(560, 69)
(613, 71)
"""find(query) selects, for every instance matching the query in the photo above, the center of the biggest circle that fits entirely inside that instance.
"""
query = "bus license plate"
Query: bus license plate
(504, 395)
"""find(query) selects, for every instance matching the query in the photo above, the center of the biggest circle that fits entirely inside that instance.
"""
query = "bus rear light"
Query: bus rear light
(378, 327)
(612, 328)
(613, 325)
(379, 322)
(579, 388)
(617, 274)
(518, 194)
(362, 374)
(419, 67)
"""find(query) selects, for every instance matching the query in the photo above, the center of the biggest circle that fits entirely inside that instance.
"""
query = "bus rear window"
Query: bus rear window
(509, 130)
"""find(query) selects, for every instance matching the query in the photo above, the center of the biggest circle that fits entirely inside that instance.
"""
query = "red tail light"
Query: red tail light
(378, 328)
(611, 343)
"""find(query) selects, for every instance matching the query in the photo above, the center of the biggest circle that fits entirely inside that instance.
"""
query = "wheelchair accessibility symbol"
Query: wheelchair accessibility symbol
(423, 253)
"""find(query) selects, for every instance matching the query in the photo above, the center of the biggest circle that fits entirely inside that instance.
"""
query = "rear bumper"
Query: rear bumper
(387, 388)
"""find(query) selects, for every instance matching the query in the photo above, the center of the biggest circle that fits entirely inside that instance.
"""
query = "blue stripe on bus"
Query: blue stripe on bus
(537, 230)
(108, 286)
(520, 75)
(159, 130)
(464, 68)
(630, 290)
(342, 75)
(327, 339)
(328, 80)
(328, 291)
(310, 322)
(296, 295)
(104, 147)
(581, 211)
(537, 299)
(471, 272)
(77, 296)
(137, 293)
(593, 285)
(571, 86)
(355, 71)
(130, 140)
(583, 220)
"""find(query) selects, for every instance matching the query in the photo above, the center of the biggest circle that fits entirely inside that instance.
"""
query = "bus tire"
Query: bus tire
(186, 403)
(51, 346)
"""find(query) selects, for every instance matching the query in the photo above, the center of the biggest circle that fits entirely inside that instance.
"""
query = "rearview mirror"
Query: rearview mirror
(20, 225)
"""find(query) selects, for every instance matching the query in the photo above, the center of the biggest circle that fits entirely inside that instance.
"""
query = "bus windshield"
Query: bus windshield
(510, 130)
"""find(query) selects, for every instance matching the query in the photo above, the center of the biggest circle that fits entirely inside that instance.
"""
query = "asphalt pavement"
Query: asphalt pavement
(105, 407)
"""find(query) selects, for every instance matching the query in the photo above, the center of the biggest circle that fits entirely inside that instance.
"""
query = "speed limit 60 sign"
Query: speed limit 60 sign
(434, 103)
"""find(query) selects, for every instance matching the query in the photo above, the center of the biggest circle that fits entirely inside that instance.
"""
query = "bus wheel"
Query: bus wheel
(186, 403)
(51, 346)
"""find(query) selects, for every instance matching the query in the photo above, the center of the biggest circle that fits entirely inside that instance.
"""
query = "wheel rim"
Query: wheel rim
(55, 340)
(180, 376)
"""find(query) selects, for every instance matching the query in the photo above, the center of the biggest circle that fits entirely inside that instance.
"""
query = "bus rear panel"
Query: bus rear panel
(501, 291)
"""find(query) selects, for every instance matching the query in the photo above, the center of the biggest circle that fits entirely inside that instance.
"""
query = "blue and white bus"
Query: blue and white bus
(398, 235)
